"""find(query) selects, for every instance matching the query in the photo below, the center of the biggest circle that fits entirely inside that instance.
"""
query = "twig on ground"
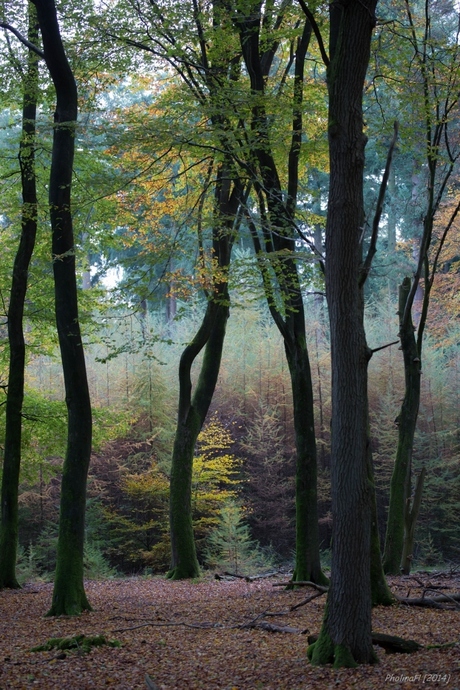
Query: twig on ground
(306, 601)
(302, 583)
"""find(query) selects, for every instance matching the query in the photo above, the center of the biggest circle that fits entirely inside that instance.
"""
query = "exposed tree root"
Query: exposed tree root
(392, 644)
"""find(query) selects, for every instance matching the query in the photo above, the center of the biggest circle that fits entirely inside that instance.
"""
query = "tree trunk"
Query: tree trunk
(400, 487)
(15, 394)
(380, 592)
(193, 410)
(410, 520)
(278, 230)
(307, 563)
(184, 562)
(345, 637)
(69, 596)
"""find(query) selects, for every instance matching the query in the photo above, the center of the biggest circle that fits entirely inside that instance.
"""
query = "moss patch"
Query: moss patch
(80, 642)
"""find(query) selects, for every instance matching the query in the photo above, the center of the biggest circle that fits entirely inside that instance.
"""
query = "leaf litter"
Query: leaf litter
(203, 635)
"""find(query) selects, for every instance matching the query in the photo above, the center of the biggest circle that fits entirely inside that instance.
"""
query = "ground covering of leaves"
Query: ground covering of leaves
(188, 635)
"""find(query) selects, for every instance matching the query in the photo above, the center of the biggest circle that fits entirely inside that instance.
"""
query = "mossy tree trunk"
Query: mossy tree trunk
(401, 479)
(345, 637)
(193, 409)
(17, 355)
(280, 277)
(69, 596)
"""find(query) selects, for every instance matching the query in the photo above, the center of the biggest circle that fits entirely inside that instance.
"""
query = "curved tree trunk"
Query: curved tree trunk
(15, 394)
(69, 596)
(184, 562)
(345, 637)
(193, 409)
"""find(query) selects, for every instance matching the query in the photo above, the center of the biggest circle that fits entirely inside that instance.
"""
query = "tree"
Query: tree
(205, 48)
(280, 273)
(69, 596)
(345, 637)
(436, 83)
(193, 408)
(17, 357)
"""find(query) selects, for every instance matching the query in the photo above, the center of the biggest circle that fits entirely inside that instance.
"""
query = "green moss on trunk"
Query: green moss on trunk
(324, 651)
(400, 486)
(69, 598)
(184, 558)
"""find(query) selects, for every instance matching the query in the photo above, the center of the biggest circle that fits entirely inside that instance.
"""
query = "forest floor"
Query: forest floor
(191, 635)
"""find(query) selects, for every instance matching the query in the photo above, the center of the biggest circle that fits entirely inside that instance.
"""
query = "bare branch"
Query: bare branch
(316, 31)
(27, 43)
(378, 211)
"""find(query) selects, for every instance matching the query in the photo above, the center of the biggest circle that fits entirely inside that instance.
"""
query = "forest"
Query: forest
(230, 295)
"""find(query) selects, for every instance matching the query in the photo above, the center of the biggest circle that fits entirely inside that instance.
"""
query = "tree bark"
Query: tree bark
(17, 356)
(193, 409)
(400, 487)
(411, 512)
(278, 237)
(345, 637)
(69, 596)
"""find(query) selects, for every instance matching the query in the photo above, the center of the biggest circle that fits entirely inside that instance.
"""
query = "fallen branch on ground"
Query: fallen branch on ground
(302, 583)
(438, 602)
(306, 601)
(271, 627)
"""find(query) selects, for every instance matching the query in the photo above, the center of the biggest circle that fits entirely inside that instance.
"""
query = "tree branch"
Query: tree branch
(378, 211)
(382, 347)
(28, 44)
(316, 31)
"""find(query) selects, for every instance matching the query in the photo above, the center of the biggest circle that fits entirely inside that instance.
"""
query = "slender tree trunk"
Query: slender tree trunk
(400, 487)
(193, 409)
(412, 509)
(380, 592)
(307, 563)
(345, 637)
(15, 395)
(278, 233)
(69, 596)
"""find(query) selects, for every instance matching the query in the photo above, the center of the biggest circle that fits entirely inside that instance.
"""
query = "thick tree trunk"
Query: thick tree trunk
(15, 395)
(400, 487)
(345, 637)
(69, 596)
